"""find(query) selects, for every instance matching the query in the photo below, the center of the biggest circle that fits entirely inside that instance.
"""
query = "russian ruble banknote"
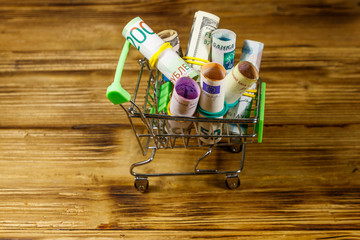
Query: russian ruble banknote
(223, 48)
(252, 52)
(184, 101)
(241, 77)
(169, 63)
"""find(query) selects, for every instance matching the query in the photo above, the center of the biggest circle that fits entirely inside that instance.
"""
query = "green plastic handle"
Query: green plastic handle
(261, 112)
(115, 93)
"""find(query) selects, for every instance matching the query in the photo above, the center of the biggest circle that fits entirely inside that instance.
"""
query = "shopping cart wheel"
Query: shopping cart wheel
(232, 182)
(141, 184)
(236, 148)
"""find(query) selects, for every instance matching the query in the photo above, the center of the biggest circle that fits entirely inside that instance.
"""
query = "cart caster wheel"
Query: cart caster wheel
(141, 184)
(232, 182)
(236, 148)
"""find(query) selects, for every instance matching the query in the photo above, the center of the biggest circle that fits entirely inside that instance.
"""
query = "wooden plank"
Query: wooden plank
(292, 98)
(65, 151)
(301, 178)
(213, 234)
(100, 27)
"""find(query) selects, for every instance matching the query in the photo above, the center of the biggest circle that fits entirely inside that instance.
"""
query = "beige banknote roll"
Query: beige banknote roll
(251, 52)
(242, 76)
(211, 100)
(172, 37)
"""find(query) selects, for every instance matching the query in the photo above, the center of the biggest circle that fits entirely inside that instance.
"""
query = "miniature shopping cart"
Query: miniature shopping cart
(150, 122)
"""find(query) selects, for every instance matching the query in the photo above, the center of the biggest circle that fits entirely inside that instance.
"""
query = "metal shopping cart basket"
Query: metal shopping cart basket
(152, 131)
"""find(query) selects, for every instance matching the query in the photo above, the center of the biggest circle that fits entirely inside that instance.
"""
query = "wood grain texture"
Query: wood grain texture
(65, 151)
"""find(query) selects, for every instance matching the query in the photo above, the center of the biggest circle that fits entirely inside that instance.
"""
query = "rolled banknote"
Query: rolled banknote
(223, 48)
(241, 110)
(199, 44)
(185, 97)
(212, 82)
(211, 99)
(241, 77)
(171, 36)
(251, 52)
(210, 131)
(143, 38)
(184, 101)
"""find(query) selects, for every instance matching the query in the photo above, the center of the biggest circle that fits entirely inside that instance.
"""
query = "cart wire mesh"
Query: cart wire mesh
(151, 127)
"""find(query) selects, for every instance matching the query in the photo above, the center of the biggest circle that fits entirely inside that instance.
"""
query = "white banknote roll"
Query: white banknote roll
(199, 44)
(252, 52)
(169, 63)
(223, 48)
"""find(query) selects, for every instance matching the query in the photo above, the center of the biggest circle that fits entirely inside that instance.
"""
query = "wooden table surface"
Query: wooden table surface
(65, 150)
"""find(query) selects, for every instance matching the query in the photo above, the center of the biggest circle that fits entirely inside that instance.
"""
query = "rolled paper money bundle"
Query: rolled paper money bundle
(199, 44)
(241, 110)
(172, 37)
(251, 52)
(241, 77)
(211, 99)
(210, 131)
(212, 83)
(223, 48)
(183, 102)
(185, 97)
(159, 53)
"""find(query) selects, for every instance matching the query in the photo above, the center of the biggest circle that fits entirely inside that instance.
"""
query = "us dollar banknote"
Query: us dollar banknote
(199, 44)
(172, 37)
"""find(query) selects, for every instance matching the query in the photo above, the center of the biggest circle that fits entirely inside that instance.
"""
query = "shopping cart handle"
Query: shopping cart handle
(262, 112)
(115, 93)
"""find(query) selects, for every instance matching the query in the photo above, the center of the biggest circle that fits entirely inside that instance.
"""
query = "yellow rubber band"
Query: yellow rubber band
(197, 59)
(251, 91)
(153, 60)
(193, 62)
(249, 95)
